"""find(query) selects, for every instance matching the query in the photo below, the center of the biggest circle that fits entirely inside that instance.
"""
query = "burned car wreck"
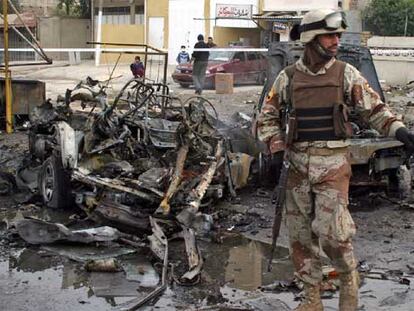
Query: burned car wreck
(147, 151)
(376, 161)
(144, 162)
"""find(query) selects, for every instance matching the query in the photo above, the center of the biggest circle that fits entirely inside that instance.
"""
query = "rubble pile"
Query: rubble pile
(144, 161)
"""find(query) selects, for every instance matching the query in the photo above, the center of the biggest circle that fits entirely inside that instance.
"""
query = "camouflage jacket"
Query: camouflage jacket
(358, 94)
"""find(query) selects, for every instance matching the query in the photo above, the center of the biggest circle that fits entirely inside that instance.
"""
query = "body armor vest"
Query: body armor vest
(318, 102)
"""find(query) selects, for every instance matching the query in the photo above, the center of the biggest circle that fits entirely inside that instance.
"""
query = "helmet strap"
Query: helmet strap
(321, 50)
(315, 57)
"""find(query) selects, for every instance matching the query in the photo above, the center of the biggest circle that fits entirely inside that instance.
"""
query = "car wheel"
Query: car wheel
(404, 180)
(186, 86)
(54, 186)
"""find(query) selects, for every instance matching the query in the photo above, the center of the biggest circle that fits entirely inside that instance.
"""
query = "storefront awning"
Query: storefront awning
(275, 17)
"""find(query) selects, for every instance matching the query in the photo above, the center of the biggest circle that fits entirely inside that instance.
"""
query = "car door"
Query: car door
(253, 67)
(237, 66)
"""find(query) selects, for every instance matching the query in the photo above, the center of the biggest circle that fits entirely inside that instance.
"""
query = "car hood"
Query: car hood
(211, 65)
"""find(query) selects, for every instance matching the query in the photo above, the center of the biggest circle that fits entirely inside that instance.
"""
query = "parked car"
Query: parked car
(247, 68)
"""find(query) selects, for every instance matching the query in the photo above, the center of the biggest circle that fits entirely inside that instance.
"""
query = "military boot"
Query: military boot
(312, 300)
(348, 291)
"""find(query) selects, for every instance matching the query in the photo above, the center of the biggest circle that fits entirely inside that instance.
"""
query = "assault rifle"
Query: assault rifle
(279, 193)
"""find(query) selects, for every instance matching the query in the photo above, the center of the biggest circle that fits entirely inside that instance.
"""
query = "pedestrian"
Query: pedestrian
(211, 43)
(320, 90)
(137, 68)
(183, 57)
(200, 59)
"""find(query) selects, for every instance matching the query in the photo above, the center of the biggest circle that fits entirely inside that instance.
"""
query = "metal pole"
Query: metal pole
(92, 20)
(406, 22)
(99, 35)
(7, 84)
(146, 62)
(164, 79)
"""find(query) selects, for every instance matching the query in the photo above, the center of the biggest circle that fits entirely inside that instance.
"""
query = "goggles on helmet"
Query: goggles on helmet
(331, 22)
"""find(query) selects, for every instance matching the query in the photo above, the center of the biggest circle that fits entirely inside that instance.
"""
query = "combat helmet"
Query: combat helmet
(318, 22)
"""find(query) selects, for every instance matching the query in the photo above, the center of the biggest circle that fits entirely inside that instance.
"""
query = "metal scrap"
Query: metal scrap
(159, 246)
(176, 179)
(195, 260)
(35, 231)
(103, 265)
(198, 193)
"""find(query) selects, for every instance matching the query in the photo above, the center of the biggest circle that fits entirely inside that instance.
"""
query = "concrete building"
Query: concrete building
(39, 7)
(61, 32)
(15, 41)
(168, 24)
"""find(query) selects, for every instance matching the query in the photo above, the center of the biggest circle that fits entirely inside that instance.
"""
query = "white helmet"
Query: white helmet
(318, 22)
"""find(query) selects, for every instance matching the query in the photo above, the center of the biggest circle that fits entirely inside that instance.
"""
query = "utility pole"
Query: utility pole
(406, 22)
(7, 74)
(99, 36)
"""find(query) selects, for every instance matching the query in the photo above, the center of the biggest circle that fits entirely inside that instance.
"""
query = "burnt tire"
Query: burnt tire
(404, 180)
(54, 184)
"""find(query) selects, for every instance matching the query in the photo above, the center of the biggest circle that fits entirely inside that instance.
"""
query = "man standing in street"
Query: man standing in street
(211, 43)
(137, 68)
(319, 90)
(200, 64)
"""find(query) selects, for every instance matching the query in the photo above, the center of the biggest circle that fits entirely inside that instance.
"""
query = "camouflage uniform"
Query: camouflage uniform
(317, 194)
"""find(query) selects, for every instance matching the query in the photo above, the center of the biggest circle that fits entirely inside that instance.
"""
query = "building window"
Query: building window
(121, 15)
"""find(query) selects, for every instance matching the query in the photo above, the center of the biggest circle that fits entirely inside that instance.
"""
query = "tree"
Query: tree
(78, 8)
(67, 5)
(10, 10)
(85, 8)
(390, 17)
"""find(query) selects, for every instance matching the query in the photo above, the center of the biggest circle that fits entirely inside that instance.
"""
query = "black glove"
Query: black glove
(404, 136)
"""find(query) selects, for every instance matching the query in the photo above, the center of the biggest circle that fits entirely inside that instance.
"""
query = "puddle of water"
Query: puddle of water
(11, 215)
(25, 276)
(242, 263)
(36, 280)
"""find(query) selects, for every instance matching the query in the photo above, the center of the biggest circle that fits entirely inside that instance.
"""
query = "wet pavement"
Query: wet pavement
(235, 275)
(27, 274)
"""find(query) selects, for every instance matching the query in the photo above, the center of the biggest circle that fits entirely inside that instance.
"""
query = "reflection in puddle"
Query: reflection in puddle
(29, 276)
(242, 263)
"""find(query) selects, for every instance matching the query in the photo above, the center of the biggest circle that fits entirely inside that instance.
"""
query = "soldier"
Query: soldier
(320, 90)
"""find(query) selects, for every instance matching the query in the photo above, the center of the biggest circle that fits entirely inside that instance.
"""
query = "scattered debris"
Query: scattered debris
(36, 231)
(103, 265)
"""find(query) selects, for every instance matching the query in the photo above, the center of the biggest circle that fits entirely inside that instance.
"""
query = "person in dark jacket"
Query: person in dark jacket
(200, 59)
(183, 57)
(137, 68)
(211, 43)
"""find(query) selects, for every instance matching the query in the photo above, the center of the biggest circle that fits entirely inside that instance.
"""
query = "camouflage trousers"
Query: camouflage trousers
(317, 211)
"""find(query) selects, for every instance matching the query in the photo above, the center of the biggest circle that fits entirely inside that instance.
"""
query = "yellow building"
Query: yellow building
(169, 24)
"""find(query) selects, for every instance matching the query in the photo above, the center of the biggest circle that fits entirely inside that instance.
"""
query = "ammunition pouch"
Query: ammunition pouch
(342, 126)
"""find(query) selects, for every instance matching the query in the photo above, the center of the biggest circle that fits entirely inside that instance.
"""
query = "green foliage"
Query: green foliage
(9, 9)
(388, 17)
(75, 8)
(66, 7)
(85, 8)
